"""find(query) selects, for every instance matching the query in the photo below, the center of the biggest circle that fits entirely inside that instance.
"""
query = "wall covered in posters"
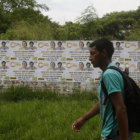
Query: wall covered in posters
(61, 61)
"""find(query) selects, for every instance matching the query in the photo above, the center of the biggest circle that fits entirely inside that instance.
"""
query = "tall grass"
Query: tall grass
(44, 115)
(26, 93)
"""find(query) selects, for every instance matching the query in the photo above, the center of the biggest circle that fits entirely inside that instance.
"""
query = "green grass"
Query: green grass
(41, 120)
(46, 116)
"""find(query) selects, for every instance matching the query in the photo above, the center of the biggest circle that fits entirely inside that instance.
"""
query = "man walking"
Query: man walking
(114, 127)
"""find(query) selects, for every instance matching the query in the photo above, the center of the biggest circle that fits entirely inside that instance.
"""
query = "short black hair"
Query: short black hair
(102, 44)
(31, 62)
(31, 42)
(24, 42)
(88, 63)
(59, 63)
(88, 43)
(59, 42)
(52, 42)
(118, 43)
(24, 61)
(117, 63)
(3, 42)
(3, 62)
(81, 42)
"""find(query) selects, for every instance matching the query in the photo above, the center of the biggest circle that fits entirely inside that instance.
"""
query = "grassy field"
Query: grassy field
(28, 115)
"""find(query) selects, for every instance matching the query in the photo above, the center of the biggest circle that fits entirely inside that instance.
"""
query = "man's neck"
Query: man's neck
(103, 67)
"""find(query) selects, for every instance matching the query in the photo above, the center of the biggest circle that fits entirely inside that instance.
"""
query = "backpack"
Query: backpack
(132, 100)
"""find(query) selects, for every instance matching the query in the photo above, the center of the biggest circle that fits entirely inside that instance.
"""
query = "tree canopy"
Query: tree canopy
(23, 20)
(9, 5)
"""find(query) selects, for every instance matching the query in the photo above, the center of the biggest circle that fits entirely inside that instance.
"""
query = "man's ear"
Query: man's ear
(104, 53)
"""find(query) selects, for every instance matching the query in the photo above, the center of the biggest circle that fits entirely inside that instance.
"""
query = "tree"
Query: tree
(25, 31)
(30, 15)
(73, 31)
(88, 15)
(9, 5)
(4, 20)
(135, 33)
(12, 11)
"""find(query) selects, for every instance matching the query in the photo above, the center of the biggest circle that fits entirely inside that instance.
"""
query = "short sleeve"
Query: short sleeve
(113, 81)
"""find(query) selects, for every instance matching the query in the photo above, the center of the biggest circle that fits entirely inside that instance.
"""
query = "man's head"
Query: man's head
(24, 43)
(138, 65)
(59, 64)
(3, 43)
(52, 44)
(88, 65)
(31, 64)
(138, 44)
(59, 44)
(81, 65)
(81, 44)
(31, 43)
(52, 65)
(88, 44)
(117, 64)
(24, 64)
(118, 44)
(3, 63)
(101, 50)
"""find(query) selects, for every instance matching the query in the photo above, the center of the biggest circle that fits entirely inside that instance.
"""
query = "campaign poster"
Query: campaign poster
(23, 70)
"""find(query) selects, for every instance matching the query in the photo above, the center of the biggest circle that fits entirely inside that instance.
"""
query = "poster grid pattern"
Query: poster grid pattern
(61, 61)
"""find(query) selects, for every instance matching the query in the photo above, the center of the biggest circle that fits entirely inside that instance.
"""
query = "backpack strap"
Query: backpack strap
(105, 91)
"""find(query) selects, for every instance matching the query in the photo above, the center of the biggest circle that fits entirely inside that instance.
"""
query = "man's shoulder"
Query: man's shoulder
(111, 72)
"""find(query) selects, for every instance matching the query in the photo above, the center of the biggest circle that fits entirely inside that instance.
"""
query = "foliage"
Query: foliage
(70, 31)
(4, 20)
(29, 15)
(135, 33)
(23, 20)
(28, 24)
(25, 31)
(88, 15)
(10, 5)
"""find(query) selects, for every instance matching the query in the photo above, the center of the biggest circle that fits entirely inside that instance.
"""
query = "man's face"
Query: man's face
(88, 65)
(138, 44)
(3, 44)
(3, 64)
(31, 44)
(31, 64)
(59, 65)
(138, 65)
(52, 65)
(81, 65)
(81, 45)
(59, 44)
(24, 64)
(24, 44)
(118, 44)
(88, 44)
(117, 64)
(96, 57)
(52, 45)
